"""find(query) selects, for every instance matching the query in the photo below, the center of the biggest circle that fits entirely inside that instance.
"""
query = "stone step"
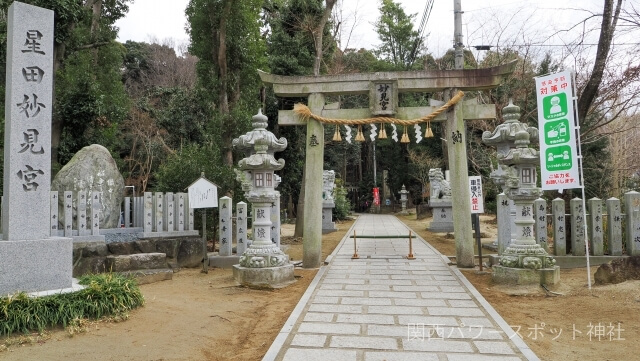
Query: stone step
(138, 261)
(145, 276)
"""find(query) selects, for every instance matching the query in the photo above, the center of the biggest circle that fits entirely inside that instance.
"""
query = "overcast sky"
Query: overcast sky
(161, 19)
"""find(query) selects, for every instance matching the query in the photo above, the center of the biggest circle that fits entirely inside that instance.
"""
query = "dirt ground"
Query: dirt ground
(601, 324)
(195, 316)
(207, 317)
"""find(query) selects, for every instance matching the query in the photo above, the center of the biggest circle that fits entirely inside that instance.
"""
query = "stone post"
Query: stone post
(559, 227)
(312, 239)
(226, 226)
(168, 215)
(614, 226)
(596, 233)
(31, 260)
(241, 227)
(148, 212)
(95, 213)
(540, 216)
(461, 199)
(504, 222)
(180, 212)
(632, 209)
(81, 213)
(68, 213)
(127, 212)
(577, 227)
(54, 213)
(158, 206)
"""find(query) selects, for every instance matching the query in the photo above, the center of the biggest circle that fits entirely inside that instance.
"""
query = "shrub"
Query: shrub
(107, 294)
(343, 206)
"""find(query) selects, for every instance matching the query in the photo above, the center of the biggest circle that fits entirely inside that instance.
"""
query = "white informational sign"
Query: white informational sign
(557, 123)
(203, 194)
(477, 201)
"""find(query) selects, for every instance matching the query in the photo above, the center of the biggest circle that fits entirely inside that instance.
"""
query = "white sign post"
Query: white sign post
(477, 200)
(203, 194)
(560, 166)
(477, 207)
(557, 124)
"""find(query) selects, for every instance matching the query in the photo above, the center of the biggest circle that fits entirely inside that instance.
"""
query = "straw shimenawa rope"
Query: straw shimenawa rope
(305, 113)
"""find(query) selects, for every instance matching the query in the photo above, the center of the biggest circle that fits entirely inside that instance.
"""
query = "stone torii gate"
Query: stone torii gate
(447, 81)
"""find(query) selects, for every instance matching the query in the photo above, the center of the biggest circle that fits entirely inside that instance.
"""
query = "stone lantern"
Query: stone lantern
(403, 199)
(263, 264)
(524, 261)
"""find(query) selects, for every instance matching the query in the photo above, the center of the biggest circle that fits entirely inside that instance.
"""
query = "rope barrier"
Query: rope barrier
(305, 113)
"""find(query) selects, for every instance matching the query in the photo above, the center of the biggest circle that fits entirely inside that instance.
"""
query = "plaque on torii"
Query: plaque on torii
(383, 89)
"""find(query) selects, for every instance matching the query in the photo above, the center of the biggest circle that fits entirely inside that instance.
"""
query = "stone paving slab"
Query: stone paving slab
(386, 307)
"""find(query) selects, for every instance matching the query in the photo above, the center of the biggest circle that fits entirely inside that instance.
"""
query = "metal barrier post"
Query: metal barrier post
(355, 250)
(410, 255)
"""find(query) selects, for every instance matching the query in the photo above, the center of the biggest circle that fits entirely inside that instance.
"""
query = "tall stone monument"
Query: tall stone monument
(440, 202)
(30, 260)
(523, 261)
(263, 264)
(328, 185)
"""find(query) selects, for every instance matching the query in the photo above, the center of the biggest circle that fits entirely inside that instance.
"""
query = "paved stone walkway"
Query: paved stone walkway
(385, 307)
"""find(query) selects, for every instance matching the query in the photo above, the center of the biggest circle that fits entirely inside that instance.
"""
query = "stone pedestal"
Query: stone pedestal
(268, 277)
(525, 276)
(442, 216)
(328, 225)
(36, 265)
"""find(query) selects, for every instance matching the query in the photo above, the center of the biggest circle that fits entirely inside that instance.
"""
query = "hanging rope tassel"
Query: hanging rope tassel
(383, 132)
(428, 133)
(405, 136)
(360, 136)
(336, 136)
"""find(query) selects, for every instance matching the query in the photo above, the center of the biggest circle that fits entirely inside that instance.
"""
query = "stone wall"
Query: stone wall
(91, 257)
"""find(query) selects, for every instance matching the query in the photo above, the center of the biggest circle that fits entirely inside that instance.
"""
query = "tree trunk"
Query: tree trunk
(608, 27)
(223, 76)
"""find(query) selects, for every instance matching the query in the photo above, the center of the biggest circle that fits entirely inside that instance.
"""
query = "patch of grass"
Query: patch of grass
(105, 295)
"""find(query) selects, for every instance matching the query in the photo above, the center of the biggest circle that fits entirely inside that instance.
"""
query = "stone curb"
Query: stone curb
(280, 340)
(520, 344)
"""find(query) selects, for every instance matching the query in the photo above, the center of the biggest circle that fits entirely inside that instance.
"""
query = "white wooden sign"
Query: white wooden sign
(203, 194)
(477, 201)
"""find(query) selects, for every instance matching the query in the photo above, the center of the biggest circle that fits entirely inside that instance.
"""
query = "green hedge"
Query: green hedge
(108, 294)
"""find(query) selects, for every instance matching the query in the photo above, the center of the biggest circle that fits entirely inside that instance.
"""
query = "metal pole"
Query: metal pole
(205, 257)
(476, 222)
(355, 249)
(458, 46)
(410, 255)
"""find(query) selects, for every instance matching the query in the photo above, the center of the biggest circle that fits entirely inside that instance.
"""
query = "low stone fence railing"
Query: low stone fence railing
(151, 216)
(159, 215)
(613, 227)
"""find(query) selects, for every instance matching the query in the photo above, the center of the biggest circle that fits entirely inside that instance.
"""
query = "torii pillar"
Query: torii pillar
(448, 81)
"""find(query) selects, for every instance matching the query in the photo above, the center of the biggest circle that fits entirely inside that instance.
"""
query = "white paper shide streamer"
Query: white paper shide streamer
(373, 132)
(418, 132)
(394, 134)
(348, 136)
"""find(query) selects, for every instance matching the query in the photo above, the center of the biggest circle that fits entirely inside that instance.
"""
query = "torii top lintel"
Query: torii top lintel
(408, 81)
